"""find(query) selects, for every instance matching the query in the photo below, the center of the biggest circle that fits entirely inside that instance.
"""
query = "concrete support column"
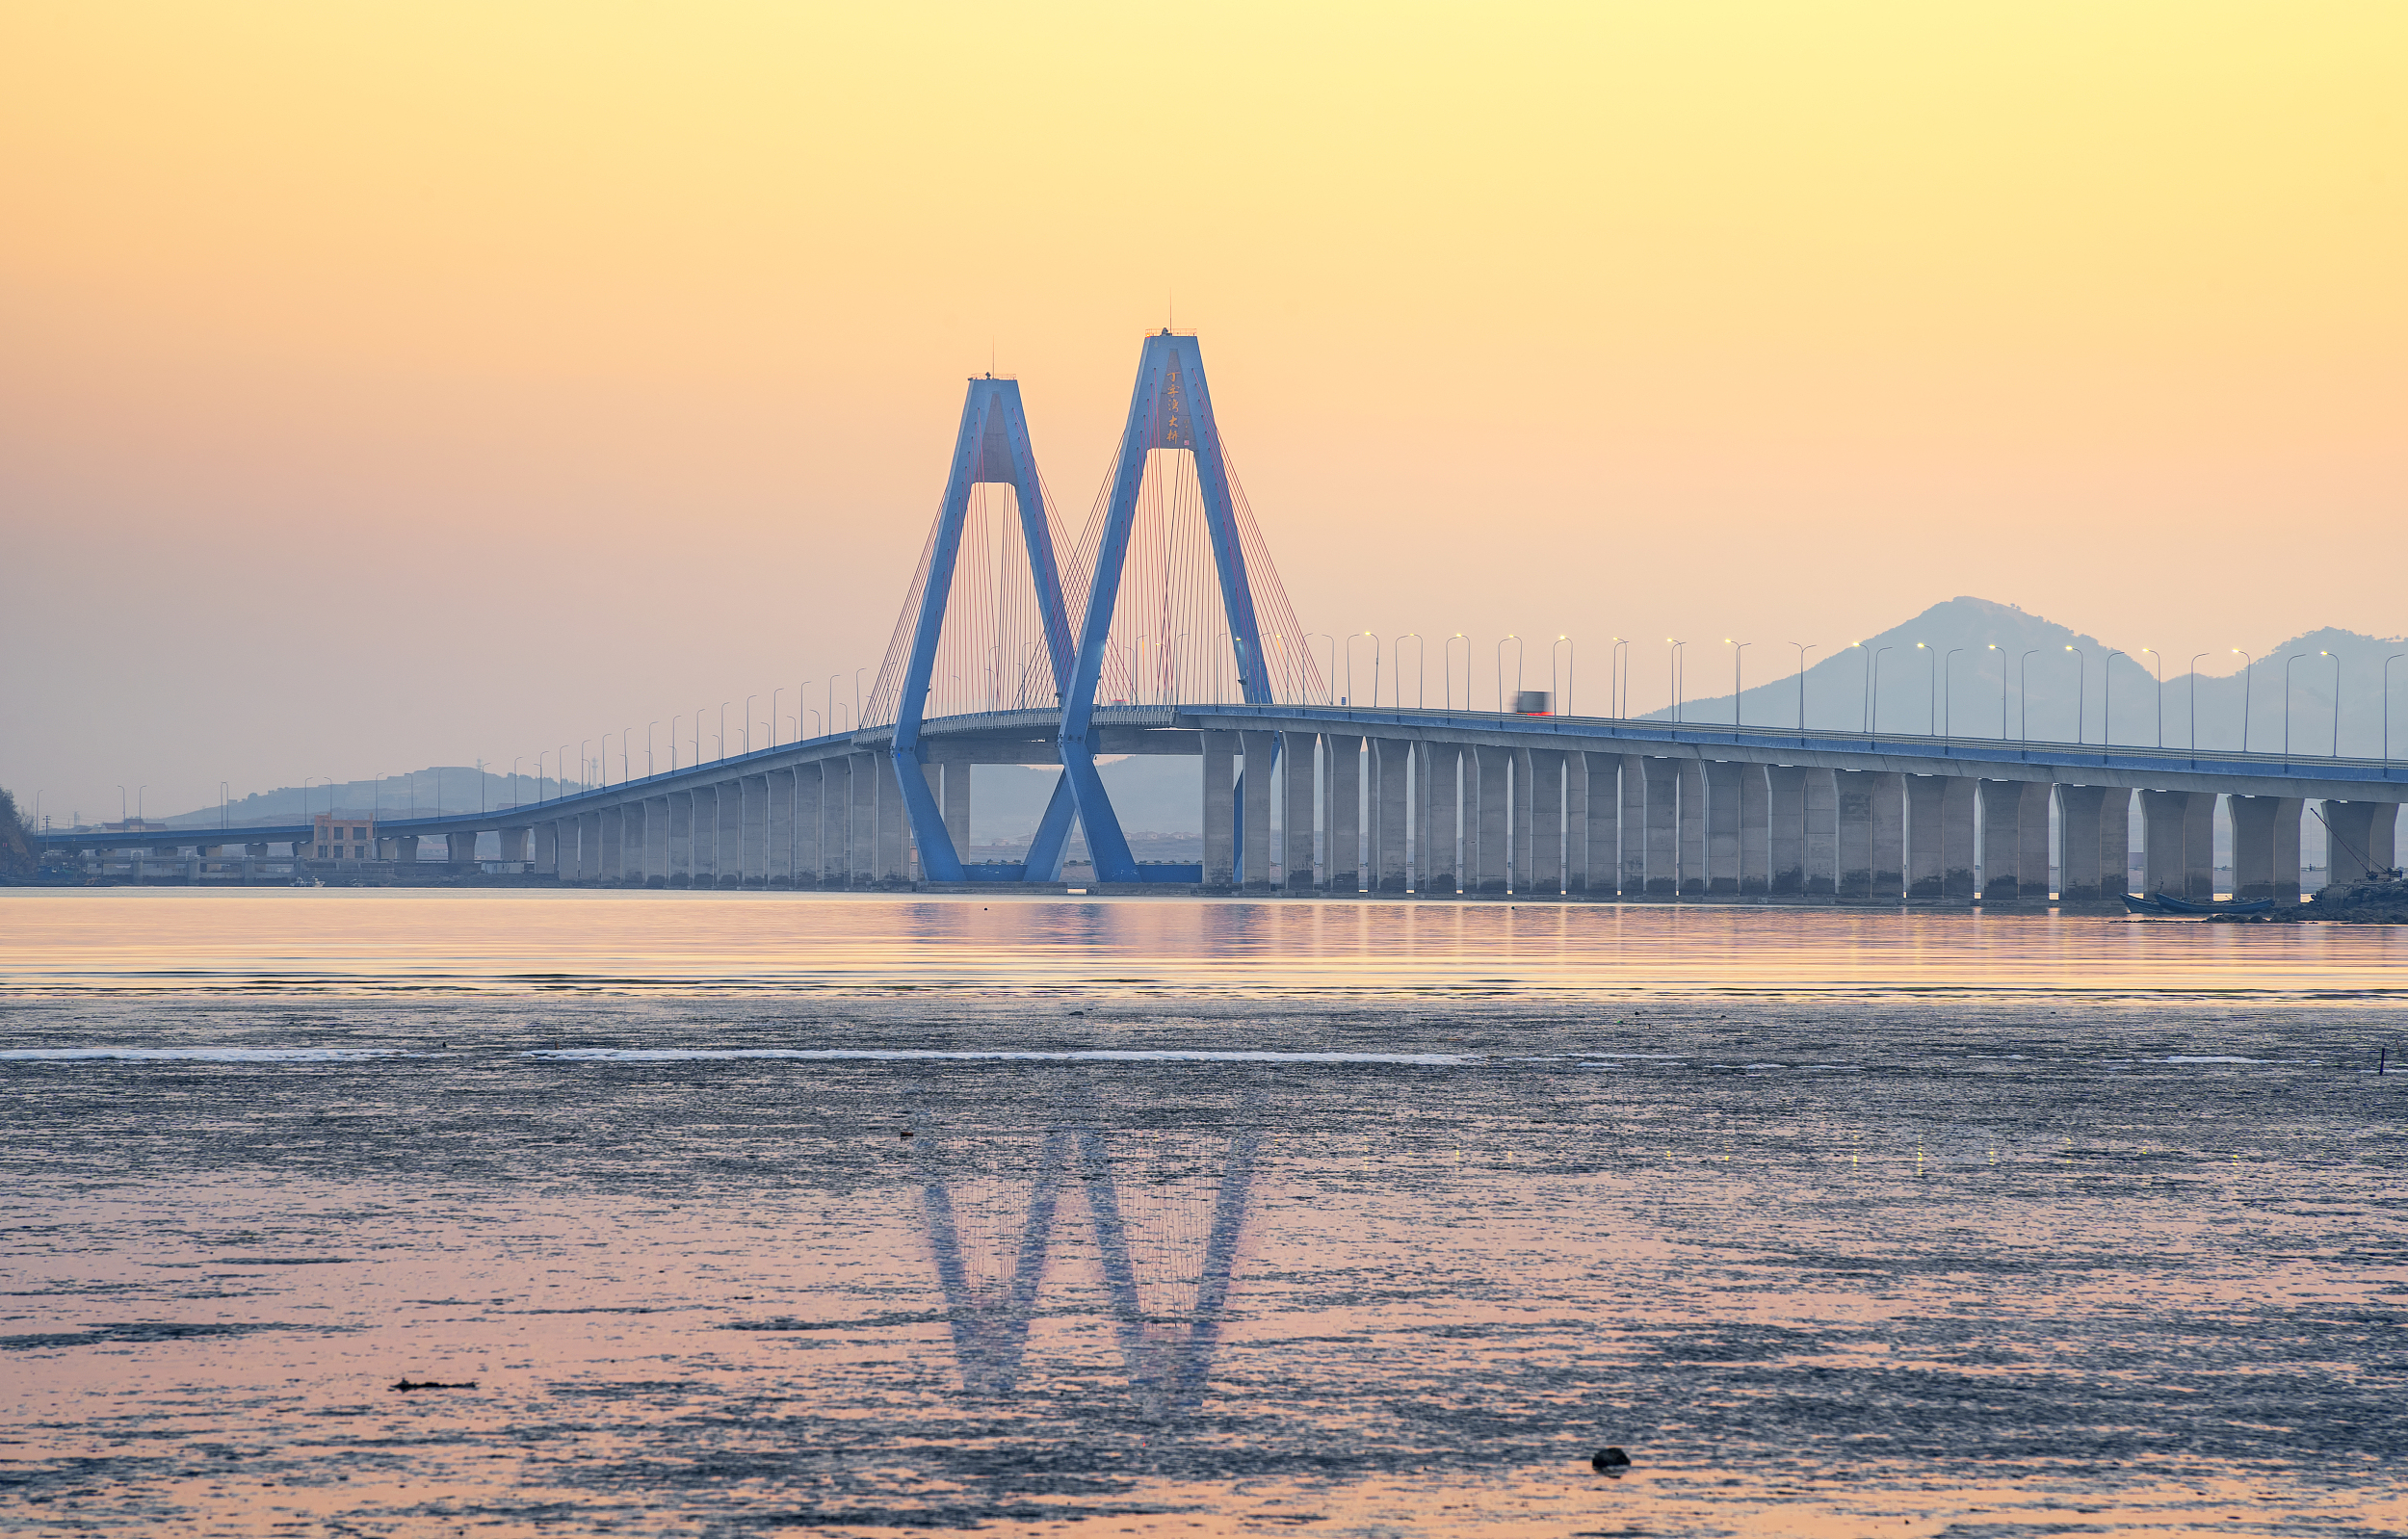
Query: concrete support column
(1392, 801)
(1855, 790)
(514, 843)
(576, 849)
(1784, 828)
(1600, 822)
(810, 783)
(1424, 818)
(1440, 874)
(1663, 851)
(2348, 840)
(703, 870)
(2383, 836)
(1822, 834)
(2199, 847)
(2002, 839)
(1576, 823)
(1221, 810)
(2115, 842)
(2079, 876)
(1924, 795)
(777, 862)
(547, 856)
(1542, 769)
(460, 850)
(861, 842)
(1342, 812)
(836, 865)
(1722, 826)
(1889, 837)
(956, 807)
(727, 822)
(589, 847)
(1518, 823)
(2032, 859)
(752, 852)
(653, 863)
(611, 844)
(1755, 831)
(2165, 816)
(1693, 856)
(681, 839)
(1633, 833)
(1959, 808)
(1297, 757)
(892, 864)
(2254, 841)
(1262, 751)
(1485, 839)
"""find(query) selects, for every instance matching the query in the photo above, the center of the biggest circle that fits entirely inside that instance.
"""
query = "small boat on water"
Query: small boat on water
(2158, 906)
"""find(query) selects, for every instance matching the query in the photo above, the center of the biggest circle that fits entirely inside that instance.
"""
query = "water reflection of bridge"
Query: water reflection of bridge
(1166, 1243)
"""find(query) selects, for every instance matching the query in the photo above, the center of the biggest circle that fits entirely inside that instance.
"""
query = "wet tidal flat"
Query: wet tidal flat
(1099, 1265)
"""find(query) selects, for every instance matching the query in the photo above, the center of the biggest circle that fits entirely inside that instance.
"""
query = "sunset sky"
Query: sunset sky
(387, 385)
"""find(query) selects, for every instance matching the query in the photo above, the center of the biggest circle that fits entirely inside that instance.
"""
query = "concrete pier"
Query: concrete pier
(2258, 845)
(1299, 752)
(460, 850)
(2361, 838)
(2164, 819)
(1691, 859)
(1661, 871)
(892, 866)
(1600, 822)
(1484, 839)
(1855, 791)
(1218, 814)
(1542, 851)
(809, 781)
(547, 860)
(1342, 816)
(1785, 829)
(1392, 801)
(955, 803)
(1634, 830)
(2199, 847)
(1433, 824)
(1925, 796)
(2081, 876)
(1262, 754)
(836, 862)
(1959, 809)
(1755, 832)
(1722, 828)
(2002, 839)
(2032, 859)
(861, 841)
(1822, 834)
(681, 839)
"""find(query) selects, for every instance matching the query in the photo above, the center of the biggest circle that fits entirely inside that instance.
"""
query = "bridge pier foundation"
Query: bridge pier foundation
(1691, 860)
(1342, 819)
(1822, 834)
(1785, 829)
(1219, 811)
(1721, 778)
(1299, 754)
(1755, 831)
(1542, 820)
(2257, 822)
(1661, 836)
(1392, 799)
(1925, 796)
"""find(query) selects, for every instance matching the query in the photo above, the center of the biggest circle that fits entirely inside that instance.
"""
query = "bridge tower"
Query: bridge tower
(1170, 408)
(991, 448)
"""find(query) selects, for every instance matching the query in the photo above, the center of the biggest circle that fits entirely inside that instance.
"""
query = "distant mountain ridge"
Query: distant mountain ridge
(2014, 667)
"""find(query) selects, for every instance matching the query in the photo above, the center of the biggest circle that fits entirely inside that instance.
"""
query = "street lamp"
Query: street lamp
(2286, 662)
(515, 759)
(1447, 662)
(1352, 638)
(1421, 671)
(2337, 701)
(1738, 652)
(1873, 729)
(1803, 648)
(2387, 703)
(1864, 690)
(1563, 703)
(2159, 668)
(649, 770)
(1948, 693)
(560, 772)
(722, 739)
(1993, 646)
(782, 690)
(2023, 697)
(1672, 671)
(582, 763)
(1618, 679)
(2248, 682)
(2106, 700)
(1520, 649)
(2080, 684)
(2195, 706)
(1931, 705)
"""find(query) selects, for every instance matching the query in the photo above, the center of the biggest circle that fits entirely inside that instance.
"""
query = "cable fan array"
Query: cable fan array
(1170, 642)
(990, 652)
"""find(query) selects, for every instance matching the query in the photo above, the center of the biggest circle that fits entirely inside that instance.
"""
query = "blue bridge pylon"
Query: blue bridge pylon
(1170, 408)
(991, 448)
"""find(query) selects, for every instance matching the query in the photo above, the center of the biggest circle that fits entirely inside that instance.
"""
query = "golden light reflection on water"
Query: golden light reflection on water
(345, 939)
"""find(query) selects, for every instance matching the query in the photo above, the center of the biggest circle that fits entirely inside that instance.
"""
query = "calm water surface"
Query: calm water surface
(1363, 1219)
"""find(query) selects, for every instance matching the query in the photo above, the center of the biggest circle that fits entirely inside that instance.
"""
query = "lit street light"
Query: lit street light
(2337, 701)
(1803, 648)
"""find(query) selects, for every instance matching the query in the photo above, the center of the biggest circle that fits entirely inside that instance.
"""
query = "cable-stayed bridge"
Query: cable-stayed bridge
(1162, 628)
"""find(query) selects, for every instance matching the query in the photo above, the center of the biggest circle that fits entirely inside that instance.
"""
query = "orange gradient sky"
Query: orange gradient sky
(384, 385)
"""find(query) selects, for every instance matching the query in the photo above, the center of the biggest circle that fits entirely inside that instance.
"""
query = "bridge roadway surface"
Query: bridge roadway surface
(1714, 827)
